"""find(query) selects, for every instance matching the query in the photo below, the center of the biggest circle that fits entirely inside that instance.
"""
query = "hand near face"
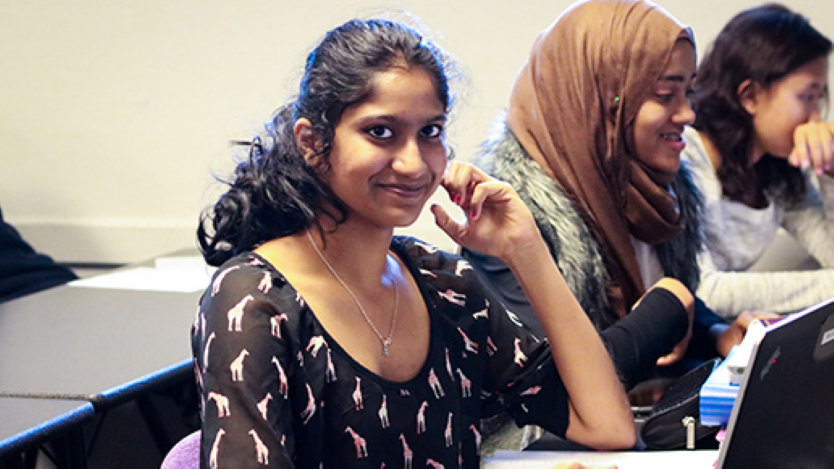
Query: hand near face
(497, 221)
(814, 147)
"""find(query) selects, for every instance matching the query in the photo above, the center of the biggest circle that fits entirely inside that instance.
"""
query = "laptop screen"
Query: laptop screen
(783, 416)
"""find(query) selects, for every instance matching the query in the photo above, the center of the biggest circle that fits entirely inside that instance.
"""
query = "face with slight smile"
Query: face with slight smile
(778, 109)
(662, 117)
(388, 153)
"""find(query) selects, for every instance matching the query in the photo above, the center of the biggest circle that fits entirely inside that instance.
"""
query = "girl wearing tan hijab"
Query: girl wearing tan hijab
(592, 143)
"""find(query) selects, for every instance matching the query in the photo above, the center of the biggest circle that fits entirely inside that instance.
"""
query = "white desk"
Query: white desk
(677, 459)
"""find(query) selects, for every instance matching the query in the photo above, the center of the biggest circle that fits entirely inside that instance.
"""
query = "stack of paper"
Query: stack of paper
(718, 396)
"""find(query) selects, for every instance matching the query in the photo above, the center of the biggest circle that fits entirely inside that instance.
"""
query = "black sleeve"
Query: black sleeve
(244, 373)
(521, 376)
(703, 343)
(502, 282)
(634, 342)
(649, 331)
(24, 271)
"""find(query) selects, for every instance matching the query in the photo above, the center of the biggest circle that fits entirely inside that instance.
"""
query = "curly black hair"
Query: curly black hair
(275, 192)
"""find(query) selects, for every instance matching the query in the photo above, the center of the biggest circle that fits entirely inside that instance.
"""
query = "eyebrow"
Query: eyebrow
(674, 78)
(392, 118)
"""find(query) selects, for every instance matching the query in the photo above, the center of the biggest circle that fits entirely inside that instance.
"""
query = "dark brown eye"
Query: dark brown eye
(432, 131)
(380, 132)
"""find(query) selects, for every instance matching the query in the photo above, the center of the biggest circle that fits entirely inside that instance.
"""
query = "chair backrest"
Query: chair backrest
(185, 453)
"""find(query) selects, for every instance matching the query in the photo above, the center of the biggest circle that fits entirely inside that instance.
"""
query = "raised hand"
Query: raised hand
(499, 224)
(814, 146)
(497, 221)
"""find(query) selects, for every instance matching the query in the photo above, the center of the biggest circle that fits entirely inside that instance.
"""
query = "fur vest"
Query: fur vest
(576, 252)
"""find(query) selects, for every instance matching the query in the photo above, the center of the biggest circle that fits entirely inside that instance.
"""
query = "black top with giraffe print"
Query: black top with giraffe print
(278, 391)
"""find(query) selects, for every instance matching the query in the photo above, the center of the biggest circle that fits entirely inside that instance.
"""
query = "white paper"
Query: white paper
(169, 274)
(678, 459)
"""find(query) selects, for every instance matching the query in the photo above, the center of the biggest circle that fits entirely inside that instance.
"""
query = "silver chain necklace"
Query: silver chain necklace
(386, 341)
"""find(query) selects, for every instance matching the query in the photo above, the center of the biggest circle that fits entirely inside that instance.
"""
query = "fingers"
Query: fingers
(497, 222)
(459, 181)
(677, 352)
(799, 153)
(827, 148)
(816, 139)
(743, 320)
(761, 314)
(670, 358)
(766, 318)
(494, 191)
(734, 333)
(446, 223)
(470, 188)
(813, 146)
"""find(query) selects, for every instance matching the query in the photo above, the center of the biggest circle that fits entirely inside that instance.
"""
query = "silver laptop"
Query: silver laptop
(783, 416)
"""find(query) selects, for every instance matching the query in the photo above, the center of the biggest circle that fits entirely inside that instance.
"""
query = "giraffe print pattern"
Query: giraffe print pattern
(277, 390)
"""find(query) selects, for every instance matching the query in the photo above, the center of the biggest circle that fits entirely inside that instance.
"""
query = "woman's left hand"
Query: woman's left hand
(733, 335)
(497, 221)
(814, 147)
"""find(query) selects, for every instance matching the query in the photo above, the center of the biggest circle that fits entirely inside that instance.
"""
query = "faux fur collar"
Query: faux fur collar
(576, 252)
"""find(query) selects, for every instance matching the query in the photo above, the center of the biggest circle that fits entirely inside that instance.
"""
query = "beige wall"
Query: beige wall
(115, 112)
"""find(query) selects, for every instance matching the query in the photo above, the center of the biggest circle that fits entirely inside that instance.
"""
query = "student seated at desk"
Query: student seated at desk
(764, 158)
(591, 141)
(22, 269)
(325, 341)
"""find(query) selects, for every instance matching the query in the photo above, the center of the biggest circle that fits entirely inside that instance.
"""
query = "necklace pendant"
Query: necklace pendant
(385, 343)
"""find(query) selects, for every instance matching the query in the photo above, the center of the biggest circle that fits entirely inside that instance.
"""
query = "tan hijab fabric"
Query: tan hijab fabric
(572, 108)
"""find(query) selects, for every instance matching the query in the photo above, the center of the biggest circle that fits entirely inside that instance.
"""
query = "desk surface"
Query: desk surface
(85, 343)
(678, 459)
(27, 422)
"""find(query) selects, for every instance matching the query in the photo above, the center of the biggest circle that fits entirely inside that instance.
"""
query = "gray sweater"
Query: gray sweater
(737, 236)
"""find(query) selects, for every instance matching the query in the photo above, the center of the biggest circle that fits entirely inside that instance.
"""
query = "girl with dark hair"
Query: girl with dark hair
(757, 141)
(325, 341)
